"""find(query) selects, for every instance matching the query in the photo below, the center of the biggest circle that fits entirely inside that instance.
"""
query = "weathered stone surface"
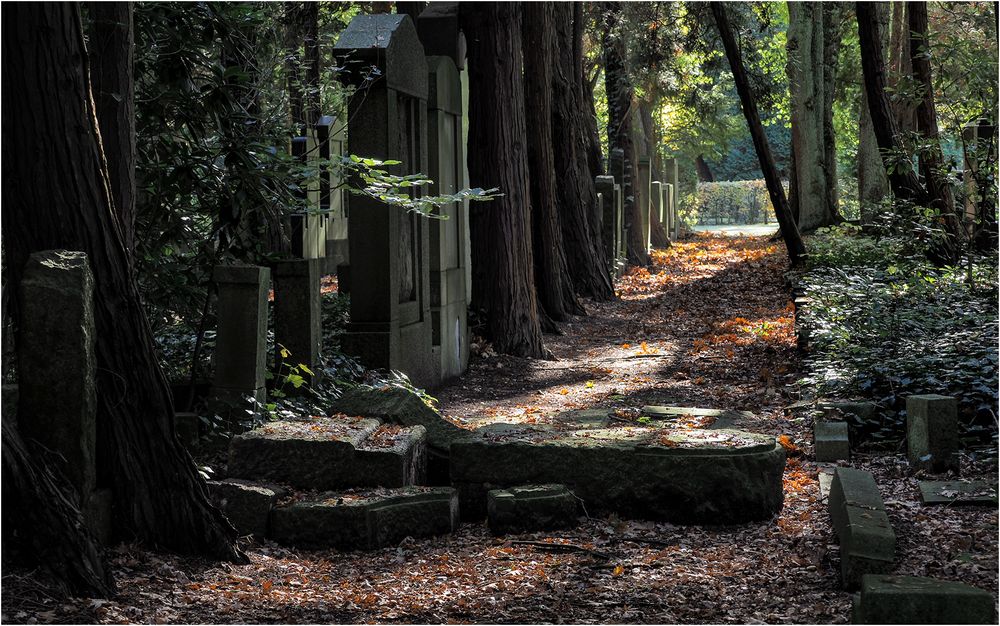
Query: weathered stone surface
(958, 492)
(367, 520)
(531, 507)
(914, 600)
(830, 441)
(867, 541)
(56, 362)
(246, 504)
(932, 432)
(684, 476)
(707, 418)
(585, 418)
(400, 406)
(297, 318)
(393, 457)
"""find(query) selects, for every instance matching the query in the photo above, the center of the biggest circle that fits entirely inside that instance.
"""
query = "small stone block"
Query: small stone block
(958, 492)
(867, 541)
(913, 600)
(932, 432)
(393, 457)
(247, 505)
(530, 508)
(831, 443)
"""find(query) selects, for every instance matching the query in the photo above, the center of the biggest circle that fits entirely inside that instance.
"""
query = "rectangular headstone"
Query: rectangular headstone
(642, 196)
(671, 177)
(830, 441)
(297, 317)
(605, 186)
(932, 432)
(331, 139)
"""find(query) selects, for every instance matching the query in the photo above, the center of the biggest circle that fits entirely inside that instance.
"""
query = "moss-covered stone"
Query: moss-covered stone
(867, 541)
(530, 508)
(912, 600)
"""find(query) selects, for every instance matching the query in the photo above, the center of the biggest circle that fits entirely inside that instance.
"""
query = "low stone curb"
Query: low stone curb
(913, 600)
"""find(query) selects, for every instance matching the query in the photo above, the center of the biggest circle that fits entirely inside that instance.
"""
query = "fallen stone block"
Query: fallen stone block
(867, 541)
(366, 520)
(958, 492)
(246, 504)
(913, 600)
(831, 442)
(932, 432)
(530, 508)
(392, 456)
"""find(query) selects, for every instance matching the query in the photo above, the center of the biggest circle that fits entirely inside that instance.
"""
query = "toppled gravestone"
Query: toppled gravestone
(369, 520)
(958, 492)
(246, 504)
(915, 600)
(677, 475)
(530, 508)
(331, 453)
(867, 541)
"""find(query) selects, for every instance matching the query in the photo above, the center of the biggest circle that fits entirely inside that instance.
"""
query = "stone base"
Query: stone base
(831, 442)
(531, 508)
(367, 521)
(913, 600)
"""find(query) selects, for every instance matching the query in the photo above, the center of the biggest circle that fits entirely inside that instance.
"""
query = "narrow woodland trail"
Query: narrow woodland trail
(710, 325)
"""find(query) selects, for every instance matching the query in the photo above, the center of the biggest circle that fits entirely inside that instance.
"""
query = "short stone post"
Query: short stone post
(642, 196)
(670, 176)
(241, 340)
(932, 432)
(56, 364)
(658, 237)
(297, 317)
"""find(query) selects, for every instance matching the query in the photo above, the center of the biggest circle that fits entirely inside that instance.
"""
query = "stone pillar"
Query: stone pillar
(331, 139)
(656, 210)
(389, 247)
(932, 432)
(621, 233)
(642, 196)
(297, 316)
(605, 186)
(241, 339)
(670, 176)
(57, 403)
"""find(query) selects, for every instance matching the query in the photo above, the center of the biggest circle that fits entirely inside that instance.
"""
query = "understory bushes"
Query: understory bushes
(729, 202)
(884, 324)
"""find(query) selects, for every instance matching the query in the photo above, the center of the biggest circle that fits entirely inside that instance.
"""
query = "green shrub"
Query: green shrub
(729, 202)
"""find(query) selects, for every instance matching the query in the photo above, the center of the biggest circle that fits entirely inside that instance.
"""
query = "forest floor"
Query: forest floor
(709, 325)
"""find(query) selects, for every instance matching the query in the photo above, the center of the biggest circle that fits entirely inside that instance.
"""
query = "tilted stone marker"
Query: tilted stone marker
(389, 247)
(958, 492)
(531, 508)
(867, 541)
(241, 340)
(932, 432)
(916, 600)
(831, 442)
(297, 317)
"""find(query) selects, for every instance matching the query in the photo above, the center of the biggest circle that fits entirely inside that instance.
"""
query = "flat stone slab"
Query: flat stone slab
(914, 600)
(701, 418)
(958, 492)
(831, 441)
(867, 541)
(330, 453)
(531, 508)
(366, 520)
(676, 475)
(246, 504)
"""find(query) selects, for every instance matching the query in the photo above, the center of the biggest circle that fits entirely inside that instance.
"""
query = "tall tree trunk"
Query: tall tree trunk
(873, 186)
(595, 159)
(61, 198)
(111, 45)
(502, 263)
(577, 196)
(902, 178)
(620, 95)
(901, 70)
(932, 166)
(555, 289)
(833, 13)
(789, 231)
(704, 171)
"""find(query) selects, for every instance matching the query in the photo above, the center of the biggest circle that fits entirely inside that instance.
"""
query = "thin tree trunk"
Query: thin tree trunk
(901, 69)
(704, 171)
(555, 289)
(620, 96)
(577, 196)
(61, 198)
(111, 45)
(502, 264)
(789, 231)
(832, 24)
(873, 186)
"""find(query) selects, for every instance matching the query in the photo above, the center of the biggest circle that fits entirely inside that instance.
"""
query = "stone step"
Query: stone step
(917, 600)
(530, 508)
(366, 520)
(867, 541)
(331, 453)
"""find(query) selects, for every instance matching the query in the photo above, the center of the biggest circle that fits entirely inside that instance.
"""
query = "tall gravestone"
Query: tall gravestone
(670, 176)
(605, 186)
(616, 167)
(668, 210)
(449, 237)
(297, 317)
(331, 139)
(657, 230)
(642, 196)
(241, 340)
(389, 247)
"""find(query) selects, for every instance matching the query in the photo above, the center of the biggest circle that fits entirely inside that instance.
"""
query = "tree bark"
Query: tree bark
(789, 231)
(60, 198)
(310, 44)
(832, 25)
(293, 72)
(112, 44)
(577, 196)
(502, 263)
(873, 186)
(704, 172)
(555, 288)
(901, 69)
(620, 96)
(657, 233)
